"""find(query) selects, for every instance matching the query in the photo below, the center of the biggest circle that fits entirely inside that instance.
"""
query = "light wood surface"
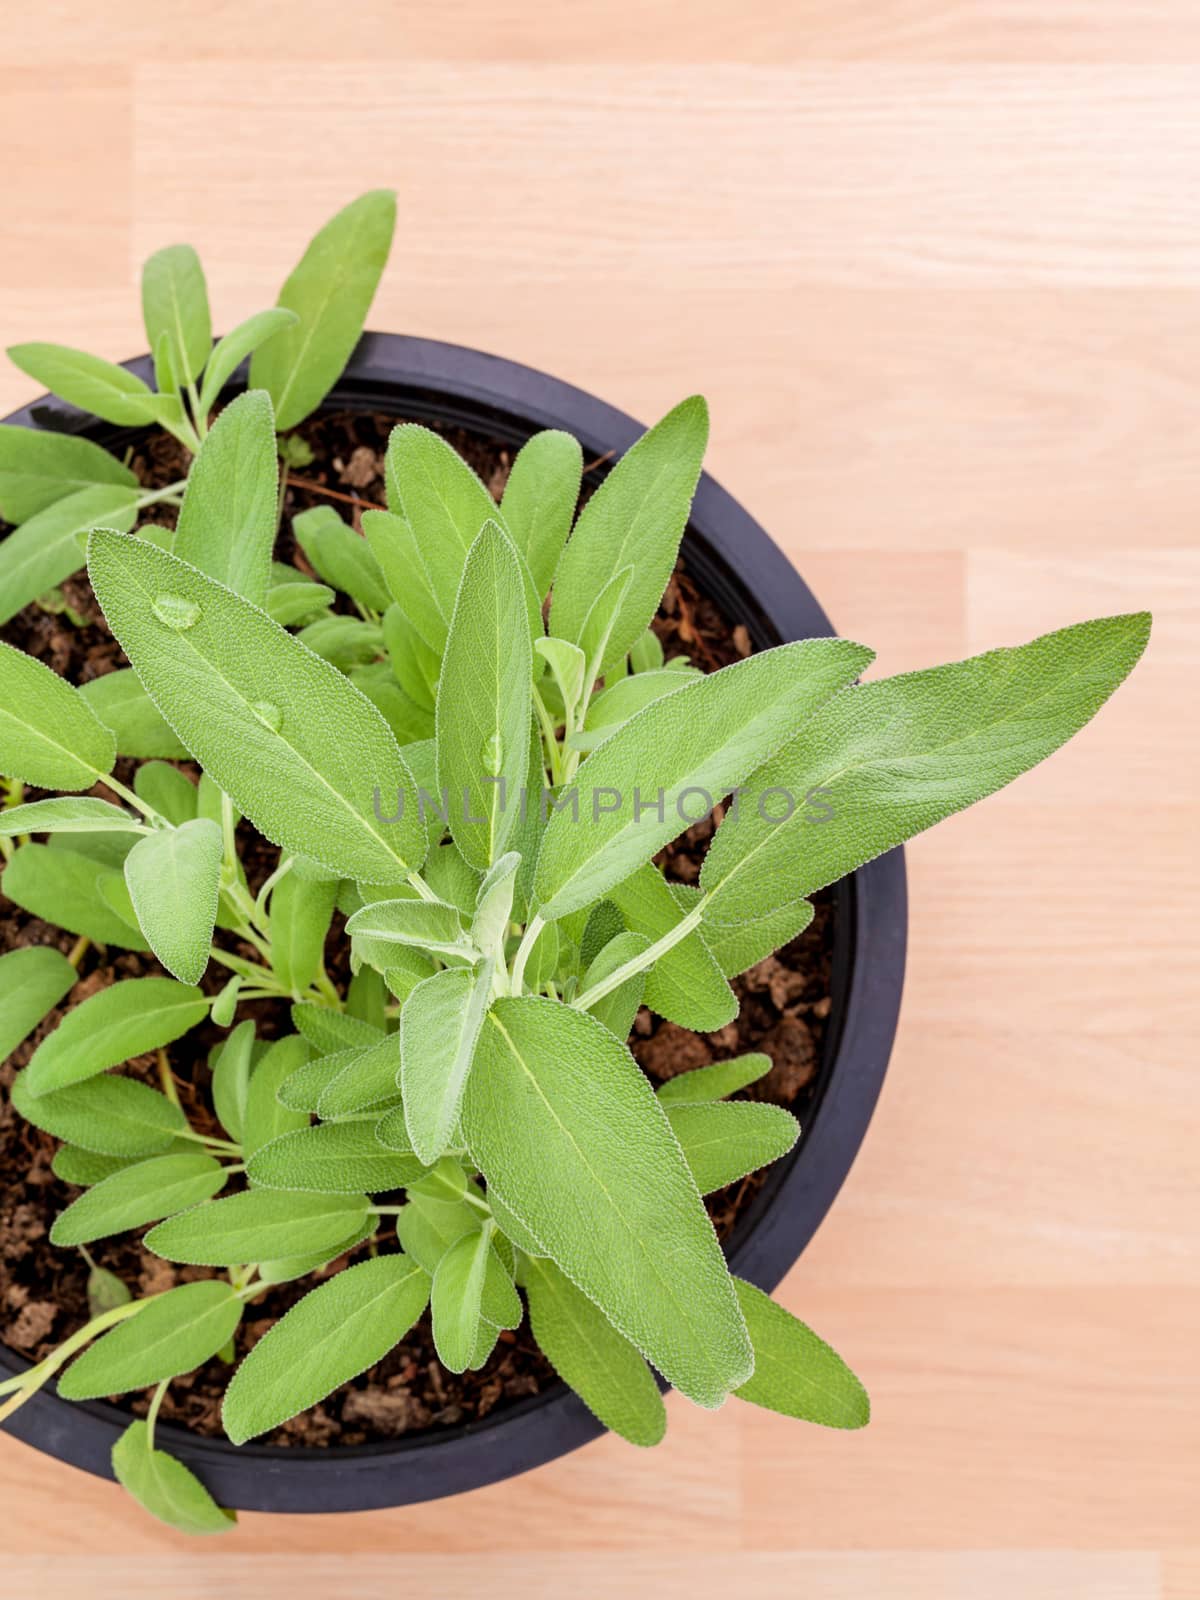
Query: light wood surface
(936, 264)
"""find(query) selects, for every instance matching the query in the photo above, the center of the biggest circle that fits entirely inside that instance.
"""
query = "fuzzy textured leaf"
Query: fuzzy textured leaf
(173, 876)
(685, 985)
(330, 290)
(49, 735)
(175, 307)
(715, 1081)
(46, 550)
(894, 757)
(341, 557)
(237, 344)
(604, 1369)
(121, 704)
(227, 521)
(368, 1082)
(75, 815)
(144, 1192)
(300, 751)
(256, 1225)
(470, 1282)
(175, 1332)
(540, 499)
(723, 1143)
(124, 1020)
(337, 1331)
(301, 911)
(265, 1118)
(32, 982)
(328, 1030)
(695, 746)
(618, 1009)
(637, 515)
(108, 1115)
(66, 887)
(38, 467)
(439, 1029)
(558, 1106)
(484, 700)
(795, 1372)
(94, 384)
(333, 1158)
(165, 1487)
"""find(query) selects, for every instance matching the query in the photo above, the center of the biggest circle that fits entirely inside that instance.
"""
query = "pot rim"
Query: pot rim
(735, 554)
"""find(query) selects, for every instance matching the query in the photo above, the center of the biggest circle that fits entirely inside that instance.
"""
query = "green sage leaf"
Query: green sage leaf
(175, 1332)
(292, 603)
(83, 815)
(723, 1143)
(65, 887)
(126, 1019)
(38, 467)
(484, 700)
(540, 499)
(301, 911)
(394, 545)
(232, 1063)
(696, 745)
(604, 1369)
(327, 1030)
(49, 735)
(619, 701)
(93, 384)
(46, 550)
(341, 557)
(469, 1281)
(429, 925)
(738, 946)
(144, 1192)
(257, 1225)
(439, 1029)
(301, 753)
(368, 1082)
(715, 1081)
(332, 1158)
(330, 290)
(265, 1118)
(337, 1331)
(120, 702)
(556, 1105)
(165, 1487)
(618, 1009)
(173, 876)
(237, 344)
(84, 1167)
(175, 308)
(168, 791)
(638, 514)
(795, 1372)
(288, 1268)
(227, 521)
(891, 758)
(111, 1116)
(32, 982)
(686, 984)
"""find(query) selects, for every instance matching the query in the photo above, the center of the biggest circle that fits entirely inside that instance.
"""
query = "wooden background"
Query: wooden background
(936, 264)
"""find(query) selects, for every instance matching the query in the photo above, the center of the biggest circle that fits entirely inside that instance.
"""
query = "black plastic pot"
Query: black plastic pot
(735, 562)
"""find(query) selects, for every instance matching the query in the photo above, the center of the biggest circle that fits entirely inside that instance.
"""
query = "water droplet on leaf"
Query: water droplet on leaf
(268, 714)
(176, 611)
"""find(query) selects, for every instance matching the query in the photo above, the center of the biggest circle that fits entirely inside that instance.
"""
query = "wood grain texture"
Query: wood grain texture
(936, 264)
